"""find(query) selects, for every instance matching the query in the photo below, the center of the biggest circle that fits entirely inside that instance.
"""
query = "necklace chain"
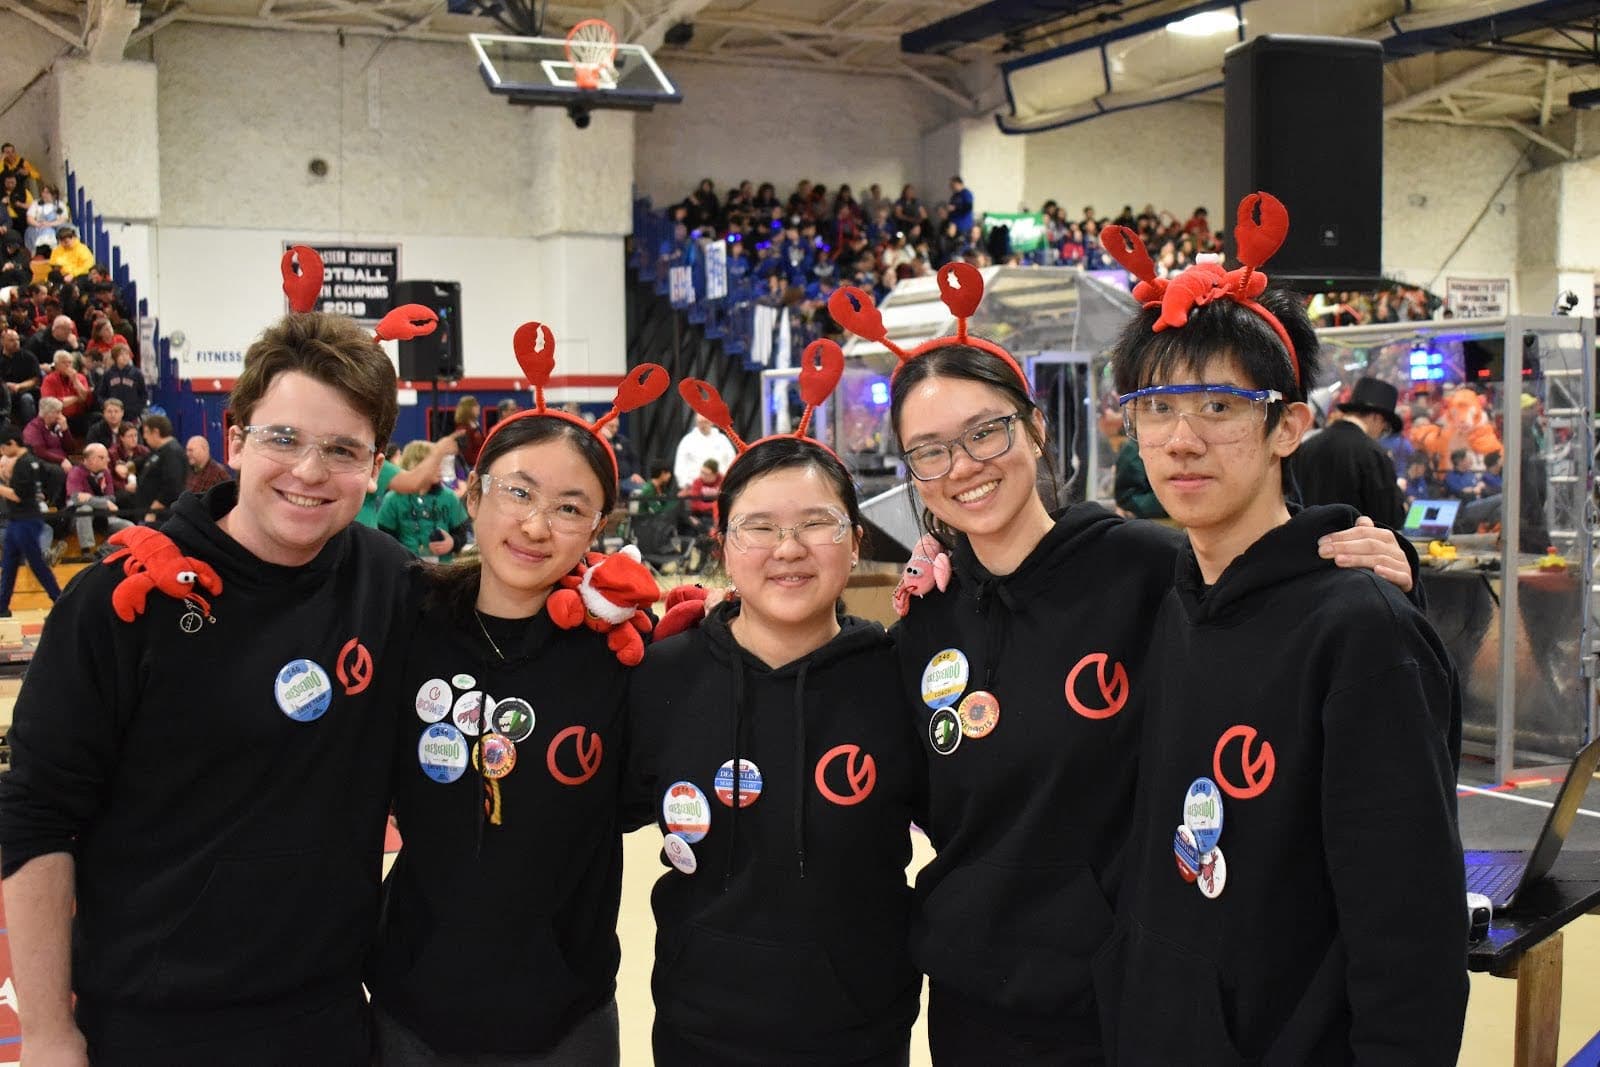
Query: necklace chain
(479, 616)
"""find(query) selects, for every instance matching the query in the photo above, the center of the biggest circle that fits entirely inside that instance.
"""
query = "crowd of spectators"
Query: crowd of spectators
(73, 388)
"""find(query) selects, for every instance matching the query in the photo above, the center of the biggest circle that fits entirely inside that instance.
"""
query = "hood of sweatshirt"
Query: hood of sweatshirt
(194, 521)
(855, 637)
(1281, 554)
(1073, 526)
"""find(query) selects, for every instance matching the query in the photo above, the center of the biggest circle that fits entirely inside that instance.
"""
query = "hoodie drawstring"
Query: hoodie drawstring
(800, 766)
(994, 641)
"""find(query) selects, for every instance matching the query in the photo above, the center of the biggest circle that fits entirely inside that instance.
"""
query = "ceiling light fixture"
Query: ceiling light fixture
(1205, 24)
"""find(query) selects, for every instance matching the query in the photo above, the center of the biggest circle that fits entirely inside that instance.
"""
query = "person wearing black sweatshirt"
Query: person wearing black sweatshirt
(25, 520)
(510, 872)
(1026, 678)
(1294, 886)
(770, 748)
(199, 751)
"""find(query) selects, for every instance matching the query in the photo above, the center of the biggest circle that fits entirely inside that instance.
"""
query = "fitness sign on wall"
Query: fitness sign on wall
(357, 280)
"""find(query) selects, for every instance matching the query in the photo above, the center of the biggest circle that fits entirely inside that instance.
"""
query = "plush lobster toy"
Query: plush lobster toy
(154, 563)
(302, 284)
(926, 570)
(610, 595)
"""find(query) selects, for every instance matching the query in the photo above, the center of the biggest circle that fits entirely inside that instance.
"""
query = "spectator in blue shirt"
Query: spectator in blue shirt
(1461, 481)
(960, 204)
(1493, 480)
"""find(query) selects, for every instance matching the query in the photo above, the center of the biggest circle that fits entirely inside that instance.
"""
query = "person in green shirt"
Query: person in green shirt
(432, 523)
(657, 495)
(392, 477)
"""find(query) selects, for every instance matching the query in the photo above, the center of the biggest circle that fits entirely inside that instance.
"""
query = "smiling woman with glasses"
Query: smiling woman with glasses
(990, 439)
(513, 739)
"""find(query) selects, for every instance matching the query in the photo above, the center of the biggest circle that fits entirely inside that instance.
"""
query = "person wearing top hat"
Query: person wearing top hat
(1344, 464)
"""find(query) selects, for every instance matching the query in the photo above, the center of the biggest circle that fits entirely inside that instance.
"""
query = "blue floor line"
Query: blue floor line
(1588, 1055)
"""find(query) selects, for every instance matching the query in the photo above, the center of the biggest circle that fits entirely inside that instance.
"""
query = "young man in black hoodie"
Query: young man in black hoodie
(1294, 892)
(208, 788)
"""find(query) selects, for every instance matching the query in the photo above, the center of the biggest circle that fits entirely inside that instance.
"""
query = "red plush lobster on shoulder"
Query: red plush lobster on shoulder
(610, 594)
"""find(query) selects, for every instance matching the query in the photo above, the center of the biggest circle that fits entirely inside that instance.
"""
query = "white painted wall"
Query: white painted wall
(504, 283)
(30, 124)
(25, 50)
(740, 122)
(108, 133)
(993, 167)
(413, 139)
(1169, 156)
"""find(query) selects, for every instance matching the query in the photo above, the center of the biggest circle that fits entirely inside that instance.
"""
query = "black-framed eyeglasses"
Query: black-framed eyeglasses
(985, 441)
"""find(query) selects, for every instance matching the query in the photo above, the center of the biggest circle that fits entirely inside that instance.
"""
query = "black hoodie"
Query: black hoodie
(1028, 819)
(227, 854)
(1323, 714)
(523, 911)
(787, 945)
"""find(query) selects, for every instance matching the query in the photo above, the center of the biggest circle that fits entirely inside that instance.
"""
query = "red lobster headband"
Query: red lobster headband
(302, 284)
(961, 289)
(821, 366)
(1259, 230)
(535, 347)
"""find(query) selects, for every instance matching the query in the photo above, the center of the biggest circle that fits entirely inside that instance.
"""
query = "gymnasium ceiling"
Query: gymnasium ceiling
(1519, 80)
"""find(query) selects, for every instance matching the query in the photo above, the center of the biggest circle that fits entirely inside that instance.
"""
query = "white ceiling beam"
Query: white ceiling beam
(1549, 93)
(337, 8)
(111, 24)
(738, 21)
(1490, 124)
(959, 99)
(251, 22)
(155, 25)
(1465, 79)
(654, 32)
(822, 59)
(48, 25)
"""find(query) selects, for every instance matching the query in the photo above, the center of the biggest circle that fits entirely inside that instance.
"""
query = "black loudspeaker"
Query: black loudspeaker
(1303, 120)
(438, 354)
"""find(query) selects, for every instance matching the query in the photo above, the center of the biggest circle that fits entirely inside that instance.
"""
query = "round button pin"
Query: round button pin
(463, 681)
(433, 700)
(980, 714)
(944, 678)
(468, 713)
(679, 854)
(1202, 813)
(1187, 855)
(495, 755)
(686, 812)
(944, 731)
(1213, 874)
(442, 753)
(302, 690)
(514, 717)
(749, 783)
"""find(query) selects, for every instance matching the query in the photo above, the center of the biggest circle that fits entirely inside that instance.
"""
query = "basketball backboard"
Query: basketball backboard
(541, 71)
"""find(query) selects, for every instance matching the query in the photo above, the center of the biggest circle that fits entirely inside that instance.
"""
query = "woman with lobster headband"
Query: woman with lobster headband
(1027, 673)
(498, 936)
(770, 747)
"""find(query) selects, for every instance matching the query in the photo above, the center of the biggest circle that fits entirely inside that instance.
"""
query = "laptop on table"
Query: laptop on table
(1431, 520)
(1501, 875)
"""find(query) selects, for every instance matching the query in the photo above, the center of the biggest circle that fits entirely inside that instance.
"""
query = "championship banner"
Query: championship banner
(357, 280)
(716, 270)
(1478, 298)
(1027, 231)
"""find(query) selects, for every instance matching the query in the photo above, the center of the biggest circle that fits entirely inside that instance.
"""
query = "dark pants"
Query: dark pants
(964, 1034)
(593, 1042)
(22, 542)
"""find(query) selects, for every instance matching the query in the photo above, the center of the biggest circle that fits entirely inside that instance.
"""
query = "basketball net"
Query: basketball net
(592, 49)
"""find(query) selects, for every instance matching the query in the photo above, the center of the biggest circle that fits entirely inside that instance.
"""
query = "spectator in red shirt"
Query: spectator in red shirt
(702, 493)
(105, 338)
(48, 436)
(1199, 226)
(204, 472)
(65, 384)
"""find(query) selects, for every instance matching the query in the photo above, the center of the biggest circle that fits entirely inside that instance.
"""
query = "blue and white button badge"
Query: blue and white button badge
(443, 753)
(945, 678)
(1202, 813)
(303, 690)
(749, 783)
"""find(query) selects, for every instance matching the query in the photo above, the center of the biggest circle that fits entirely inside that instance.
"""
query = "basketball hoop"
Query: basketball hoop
(591, 49)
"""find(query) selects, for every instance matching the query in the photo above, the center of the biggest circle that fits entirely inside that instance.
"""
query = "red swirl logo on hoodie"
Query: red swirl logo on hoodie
(588, 756)
(860, 770)
(358, 675)
(1113, 686)
(1256, 771)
